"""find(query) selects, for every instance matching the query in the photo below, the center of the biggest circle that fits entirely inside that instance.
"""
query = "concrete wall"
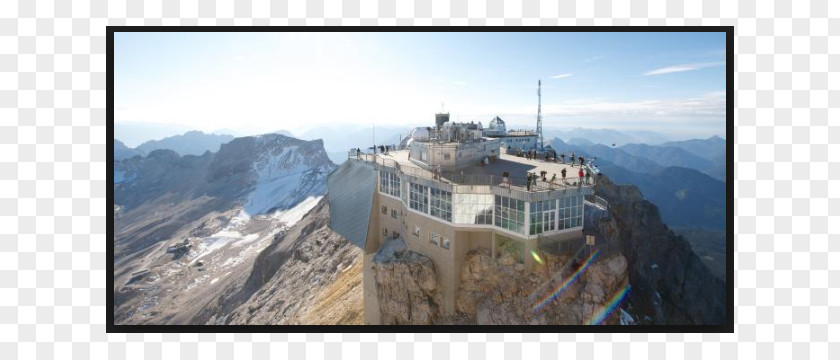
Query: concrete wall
(372, 244)
(453, 156)
(444, 259)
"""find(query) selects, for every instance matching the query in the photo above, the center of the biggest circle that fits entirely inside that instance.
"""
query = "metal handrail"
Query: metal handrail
(457, 179)
(597, 200)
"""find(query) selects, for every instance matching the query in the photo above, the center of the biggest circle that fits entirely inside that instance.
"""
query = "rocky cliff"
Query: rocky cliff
(307, 275)
(495, 293)
(499, 292)
(407, 288)
(196, 236)
(670, 283)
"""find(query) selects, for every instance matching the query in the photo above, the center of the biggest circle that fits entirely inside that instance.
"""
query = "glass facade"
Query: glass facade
(418, 197)
(510, 214)
(571, 212)
(441, 206)
(389, 183)
(473, 209)
(542, 216)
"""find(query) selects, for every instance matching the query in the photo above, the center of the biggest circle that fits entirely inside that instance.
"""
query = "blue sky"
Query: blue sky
(259, 82)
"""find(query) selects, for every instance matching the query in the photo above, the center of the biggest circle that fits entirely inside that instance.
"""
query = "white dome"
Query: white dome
(420, 133)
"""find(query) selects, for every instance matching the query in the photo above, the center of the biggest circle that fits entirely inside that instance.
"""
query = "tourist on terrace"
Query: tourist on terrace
(528, 180)
(580, 177)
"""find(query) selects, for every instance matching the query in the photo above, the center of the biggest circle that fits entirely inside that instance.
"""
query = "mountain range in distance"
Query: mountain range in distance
(685, 179)
(190, 143)
(686, 196)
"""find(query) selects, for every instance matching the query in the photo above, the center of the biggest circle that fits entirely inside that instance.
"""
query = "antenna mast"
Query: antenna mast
(539, 114)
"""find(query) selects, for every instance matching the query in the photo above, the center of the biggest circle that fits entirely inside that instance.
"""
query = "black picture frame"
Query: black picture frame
(727, 327)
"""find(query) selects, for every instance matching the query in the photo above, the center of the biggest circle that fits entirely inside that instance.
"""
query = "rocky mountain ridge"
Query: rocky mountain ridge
(188, 226)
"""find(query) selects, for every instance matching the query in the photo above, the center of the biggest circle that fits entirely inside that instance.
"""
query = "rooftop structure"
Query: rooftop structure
(454, 190)
(511, 141)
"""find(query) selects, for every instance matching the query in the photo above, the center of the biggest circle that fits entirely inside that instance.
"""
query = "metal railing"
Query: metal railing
(457, 179)
(597, 201)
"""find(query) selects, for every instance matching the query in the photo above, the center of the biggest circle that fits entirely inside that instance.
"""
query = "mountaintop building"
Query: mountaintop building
(452, 190)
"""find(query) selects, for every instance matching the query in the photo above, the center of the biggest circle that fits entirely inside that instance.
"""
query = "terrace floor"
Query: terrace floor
(516, 166)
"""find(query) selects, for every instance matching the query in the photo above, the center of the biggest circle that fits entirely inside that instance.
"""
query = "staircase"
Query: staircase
(596, 201)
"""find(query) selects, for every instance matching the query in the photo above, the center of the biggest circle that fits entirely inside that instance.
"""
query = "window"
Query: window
(510, 214)
(434, 238)
(416, 231)
(571, 212)
(441, 204)
(389, 183)
(447, 156)
(473, 209)
(542, 216)
(394, 213)
(385, 231)
(444, 243)
(384, 209)
(418, 197)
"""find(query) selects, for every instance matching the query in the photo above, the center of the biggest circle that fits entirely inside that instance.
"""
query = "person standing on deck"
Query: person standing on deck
(563, 174)
(553, 179)
(528, 181)
(580, 177)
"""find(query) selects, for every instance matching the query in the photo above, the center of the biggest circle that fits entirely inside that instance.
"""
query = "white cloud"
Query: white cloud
(594, 58)
(684, 67)
(708, 105)
(561, 76)
(450, 82)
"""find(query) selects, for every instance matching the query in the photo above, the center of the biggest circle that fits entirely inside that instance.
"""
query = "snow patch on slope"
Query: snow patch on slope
(283, 180)
(292, 216)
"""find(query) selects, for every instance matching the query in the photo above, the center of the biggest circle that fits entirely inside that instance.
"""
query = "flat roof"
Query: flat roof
(516, 166)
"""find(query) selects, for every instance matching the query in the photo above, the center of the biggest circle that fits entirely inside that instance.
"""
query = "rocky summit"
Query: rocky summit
(196, 236)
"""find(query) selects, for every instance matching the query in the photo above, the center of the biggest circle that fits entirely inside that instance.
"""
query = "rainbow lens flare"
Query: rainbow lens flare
(599, 316)
(553, 295)
(537, 257)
